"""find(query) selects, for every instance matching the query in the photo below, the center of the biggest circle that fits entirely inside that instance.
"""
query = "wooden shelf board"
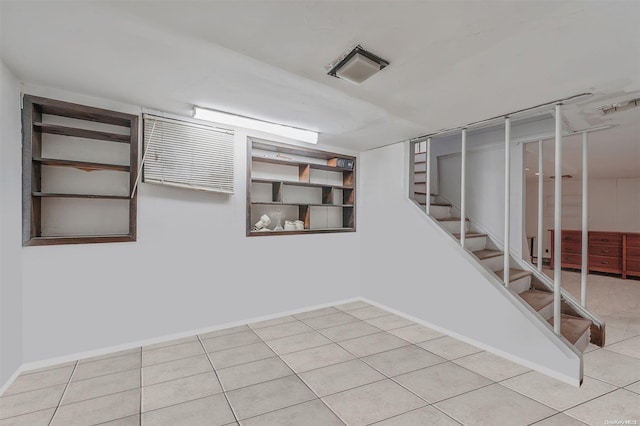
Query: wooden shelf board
(299, 163)
(294, 183)
(79, 239)
(298, 232)
(97, 196)
(275, 203)
(84, 165)
(56, 129)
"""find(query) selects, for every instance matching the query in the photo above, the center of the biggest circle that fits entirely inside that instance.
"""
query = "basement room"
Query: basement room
(286, 213)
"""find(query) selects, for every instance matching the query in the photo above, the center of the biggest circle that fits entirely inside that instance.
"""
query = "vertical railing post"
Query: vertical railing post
(557, 226)
(585, 220)
(540, 205)
(507, 198)
(463, 185)
(428, 176)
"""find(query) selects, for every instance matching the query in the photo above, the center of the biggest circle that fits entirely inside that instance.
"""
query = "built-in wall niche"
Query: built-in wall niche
(301, 189)
(79, 168)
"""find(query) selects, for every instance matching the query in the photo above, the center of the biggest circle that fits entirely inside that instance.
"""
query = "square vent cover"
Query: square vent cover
(357, 65)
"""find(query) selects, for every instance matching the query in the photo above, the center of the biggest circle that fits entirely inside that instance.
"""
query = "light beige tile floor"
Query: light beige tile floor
(352, 364)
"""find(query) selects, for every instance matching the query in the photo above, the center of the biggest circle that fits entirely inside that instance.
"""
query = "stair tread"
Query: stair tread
(514, 274)
(437, 204)
(537, 299)
(452, 219)
(572, 327)
(486, 253)
(423, 193)
(470, 235)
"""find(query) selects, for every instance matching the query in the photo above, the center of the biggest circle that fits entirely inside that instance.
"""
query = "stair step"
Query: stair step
(470, 235)
(452, 219)
(519, 280)
(514, 274)
(572, 328)
(487, 254)
(436, 204)
(537, 299)
(423, 193)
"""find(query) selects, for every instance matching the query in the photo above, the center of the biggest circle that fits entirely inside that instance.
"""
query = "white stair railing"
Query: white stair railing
(557, 224)
(507, 199)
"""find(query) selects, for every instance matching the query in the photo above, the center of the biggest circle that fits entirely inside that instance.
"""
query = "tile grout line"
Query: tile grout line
(385, 375)
(224, 393)
(53, 416)
(446, 360)
(563, 410)
(411, 411)
(308, 387)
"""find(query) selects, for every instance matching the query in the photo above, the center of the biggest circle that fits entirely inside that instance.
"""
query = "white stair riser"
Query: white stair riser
(453, 226)
(521, 284)
(475, 243)
(440, 211)
(421, 198)
(494, 263)
(582, 343)
(547, 311)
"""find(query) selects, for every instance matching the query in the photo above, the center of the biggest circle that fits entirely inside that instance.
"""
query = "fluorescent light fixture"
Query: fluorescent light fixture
(253, 124)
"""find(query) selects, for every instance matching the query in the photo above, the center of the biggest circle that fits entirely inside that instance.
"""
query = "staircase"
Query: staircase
(529, 288)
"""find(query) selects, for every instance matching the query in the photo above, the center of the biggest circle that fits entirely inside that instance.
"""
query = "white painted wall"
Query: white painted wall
(192, 267)
(410, 265)
(485, 190)
(10, 225)
(614, 205)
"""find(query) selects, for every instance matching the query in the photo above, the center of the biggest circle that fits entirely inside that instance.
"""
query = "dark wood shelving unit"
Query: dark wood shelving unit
(41, 117)
(82, 165)
(55, 129)
(306, 161)
(98, 196)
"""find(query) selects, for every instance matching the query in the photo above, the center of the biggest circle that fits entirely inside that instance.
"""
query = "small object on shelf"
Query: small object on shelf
(344, 163)
(262, 223)
(278, 226)
(289, 225)
(299, 225)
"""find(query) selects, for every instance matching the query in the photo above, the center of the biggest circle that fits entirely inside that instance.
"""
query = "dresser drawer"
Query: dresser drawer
(633, 240)
(575, 248)
(633, 265)
(608, 251)
(571, 260)
(606, 264)
(605, 238)
(633, 253)
(571, 237)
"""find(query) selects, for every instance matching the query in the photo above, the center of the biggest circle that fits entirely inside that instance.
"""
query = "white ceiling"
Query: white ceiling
(451, 62)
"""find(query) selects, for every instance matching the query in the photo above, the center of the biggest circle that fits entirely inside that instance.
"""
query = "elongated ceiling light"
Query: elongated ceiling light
(253, 124)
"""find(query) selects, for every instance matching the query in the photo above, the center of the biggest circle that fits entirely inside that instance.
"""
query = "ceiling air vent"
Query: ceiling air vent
(357, 65)
(620, 106)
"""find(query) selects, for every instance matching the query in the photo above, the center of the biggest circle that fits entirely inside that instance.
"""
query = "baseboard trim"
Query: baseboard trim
(529, 364)
(11, 379)
(131, 345)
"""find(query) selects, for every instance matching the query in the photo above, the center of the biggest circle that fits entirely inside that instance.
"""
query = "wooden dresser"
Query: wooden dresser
(631, 255)
(611, 252)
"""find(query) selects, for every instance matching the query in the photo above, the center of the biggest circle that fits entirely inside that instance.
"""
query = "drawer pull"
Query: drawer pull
(605, 251)
(605, 240)
(605, 262)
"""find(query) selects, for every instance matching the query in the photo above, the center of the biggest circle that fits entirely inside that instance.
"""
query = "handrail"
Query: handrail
(510, 114)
